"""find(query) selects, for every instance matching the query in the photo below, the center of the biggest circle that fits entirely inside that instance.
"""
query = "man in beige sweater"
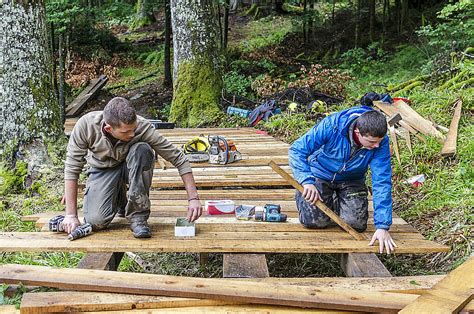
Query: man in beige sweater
(120, 148)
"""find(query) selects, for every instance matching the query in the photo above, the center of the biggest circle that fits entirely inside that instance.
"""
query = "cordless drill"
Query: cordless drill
(55, 225)
(271, 213)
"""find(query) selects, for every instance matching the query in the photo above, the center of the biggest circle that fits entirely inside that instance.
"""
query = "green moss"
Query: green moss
(196, 94)
(11, 180)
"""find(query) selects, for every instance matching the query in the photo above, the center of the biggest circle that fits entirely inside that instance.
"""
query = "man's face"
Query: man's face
(369, 142)
(124, 132)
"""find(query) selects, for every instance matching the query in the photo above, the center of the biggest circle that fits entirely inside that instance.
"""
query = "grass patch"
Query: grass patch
(263, 32)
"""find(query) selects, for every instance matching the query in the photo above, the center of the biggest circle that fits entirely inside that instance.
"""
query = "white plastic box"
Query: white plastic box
(184, 228)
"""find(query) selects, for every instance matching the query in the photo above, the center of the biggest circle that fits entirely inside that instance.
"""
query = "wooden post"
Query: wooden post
(363, 265)
(245, 266)
(103, 261)
(449, 147)
(356, 235)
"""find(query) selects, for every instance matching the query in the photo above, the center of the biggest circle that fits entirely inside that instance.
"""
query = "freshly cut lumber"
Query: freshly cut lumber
(449, 147)
(88, 93)
(8, 309)
(219, 289)
(363, 265)
(334, 217)
(449, 295)
(88, 301)
(73, 301)
(411, 117)
(208, 241)
(245, 266)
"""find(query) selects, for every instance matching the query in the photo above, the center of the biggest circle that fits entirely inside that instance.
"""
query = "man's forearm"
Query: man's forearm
(190, 185)
(70, 192)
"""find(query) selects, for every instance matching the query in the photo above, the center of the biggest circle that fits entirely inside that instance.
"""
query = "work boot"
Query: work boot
(140, 229)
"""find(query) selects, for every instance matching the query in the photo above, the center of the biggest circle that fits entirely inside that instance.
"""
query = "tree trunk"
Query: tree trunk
(142, 17)
(372, 20)
(197, 76)
(61, 57)
(398, 15)
(168, 81)
(226, 24)
(357, 25)
(29, 110)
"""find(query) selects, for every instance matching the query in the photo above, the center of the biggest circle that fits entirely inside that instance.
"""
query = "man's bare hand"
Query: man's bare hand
(194, 210)
(385, 240)
(63, 200)
(310, 193)
(70, 223)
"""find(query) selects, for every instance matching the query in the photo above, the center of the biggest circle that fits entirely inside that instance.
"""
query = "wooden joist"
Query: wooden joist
(245, 266)
(219, 289)
(449, 295)
(449, 147)
(88, 93)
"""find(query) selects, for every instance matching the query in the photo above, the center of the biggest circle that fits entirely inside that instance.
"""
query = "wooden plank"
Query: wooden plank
(164, 241)
(245, 266)
(72, 301)
(88, 93)
(449, 147)
(94, 301)
(449, 295)
(334, 217)
(189, 287)
(8, 309)
(411, 117)
(103, 261)
(363, 265)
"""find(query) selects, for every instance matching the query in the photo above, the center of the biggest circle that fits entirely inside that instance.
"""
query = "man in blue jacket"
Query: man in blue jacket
(330, 162)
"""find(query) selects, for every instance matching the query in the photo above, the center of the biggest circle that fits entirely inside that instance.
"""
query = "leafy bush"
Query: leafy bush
(287, 127)
(328, 81)
(266, 85)
(265, 32)
(238, 84)
(155, 57)
(456, 25)
(13, 180)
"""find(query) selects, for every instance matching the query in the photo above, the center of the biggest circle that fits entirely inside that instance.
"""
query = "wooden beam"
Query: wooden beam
(449, 295)
(334, 217)
(245, 266)
(449, 147)
(73, 301)
(363, 265)
(88, 93)
(104, 261)
(206, 288)
(411, 117)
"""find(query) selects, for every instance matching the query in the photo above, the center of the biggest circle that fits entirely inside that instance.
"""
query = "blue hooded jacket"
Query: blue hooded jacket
(324, 153)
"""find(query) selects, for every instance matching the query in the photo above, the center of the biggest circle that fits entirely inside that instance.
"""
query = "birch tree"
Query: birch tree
(197, 78)
(29, 110)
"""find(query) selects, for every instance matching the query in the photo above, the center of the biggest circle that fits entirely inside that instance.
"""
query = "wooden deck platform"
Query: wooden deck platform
(250, 181)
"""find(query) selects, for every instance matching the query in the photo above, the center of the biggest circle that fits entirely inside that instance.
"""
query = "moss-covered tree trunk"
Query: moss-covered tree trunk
(29, 110)
(142, 17)
(197, 77)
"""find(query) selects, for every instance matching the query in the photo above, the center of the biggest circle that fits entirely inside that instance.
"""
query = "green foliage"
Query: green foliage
(154, 57)
(13, 180)
(264, 32)
(117, 13)
(287, 127)
(237, 84)
(456, 24)
(63, 13)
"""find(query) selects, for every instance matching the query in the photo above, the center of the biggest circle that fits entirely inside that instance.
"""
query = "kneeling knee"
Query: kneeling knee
(315, 224)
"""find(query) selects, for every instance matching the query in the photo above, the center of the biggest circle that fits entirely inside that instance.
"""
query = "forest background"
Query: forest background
(240, 53)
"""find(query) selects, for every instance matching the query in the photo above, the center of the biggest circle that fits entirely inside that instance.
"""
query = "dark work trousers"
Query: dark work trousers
(106, 189)
(347, 199)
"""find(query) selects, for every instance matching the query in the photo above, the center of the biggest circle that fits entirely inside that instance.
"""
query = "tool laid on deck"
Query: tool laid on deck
(271, 213)
(197, 149)
(222, 151)
(318, 203)
(55, 225)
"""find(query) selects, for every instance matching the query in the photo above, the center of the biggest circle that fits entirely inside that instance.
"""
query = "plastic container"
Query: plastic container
(184, 228)
(237, 111)
(220, 207)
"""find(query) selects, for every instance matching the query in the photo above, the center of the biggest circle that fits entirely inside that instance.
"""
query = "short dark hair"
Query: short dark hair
(372, 123)
(118, 110)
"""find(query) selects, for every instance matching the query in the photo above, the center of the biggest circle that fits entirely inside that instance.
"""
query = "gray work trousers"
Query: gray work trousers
(347, 199)
(106, 189)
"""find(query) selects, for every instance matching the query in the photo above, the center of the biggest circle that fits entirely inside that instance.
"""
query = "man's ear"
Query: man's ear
(108, 128)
